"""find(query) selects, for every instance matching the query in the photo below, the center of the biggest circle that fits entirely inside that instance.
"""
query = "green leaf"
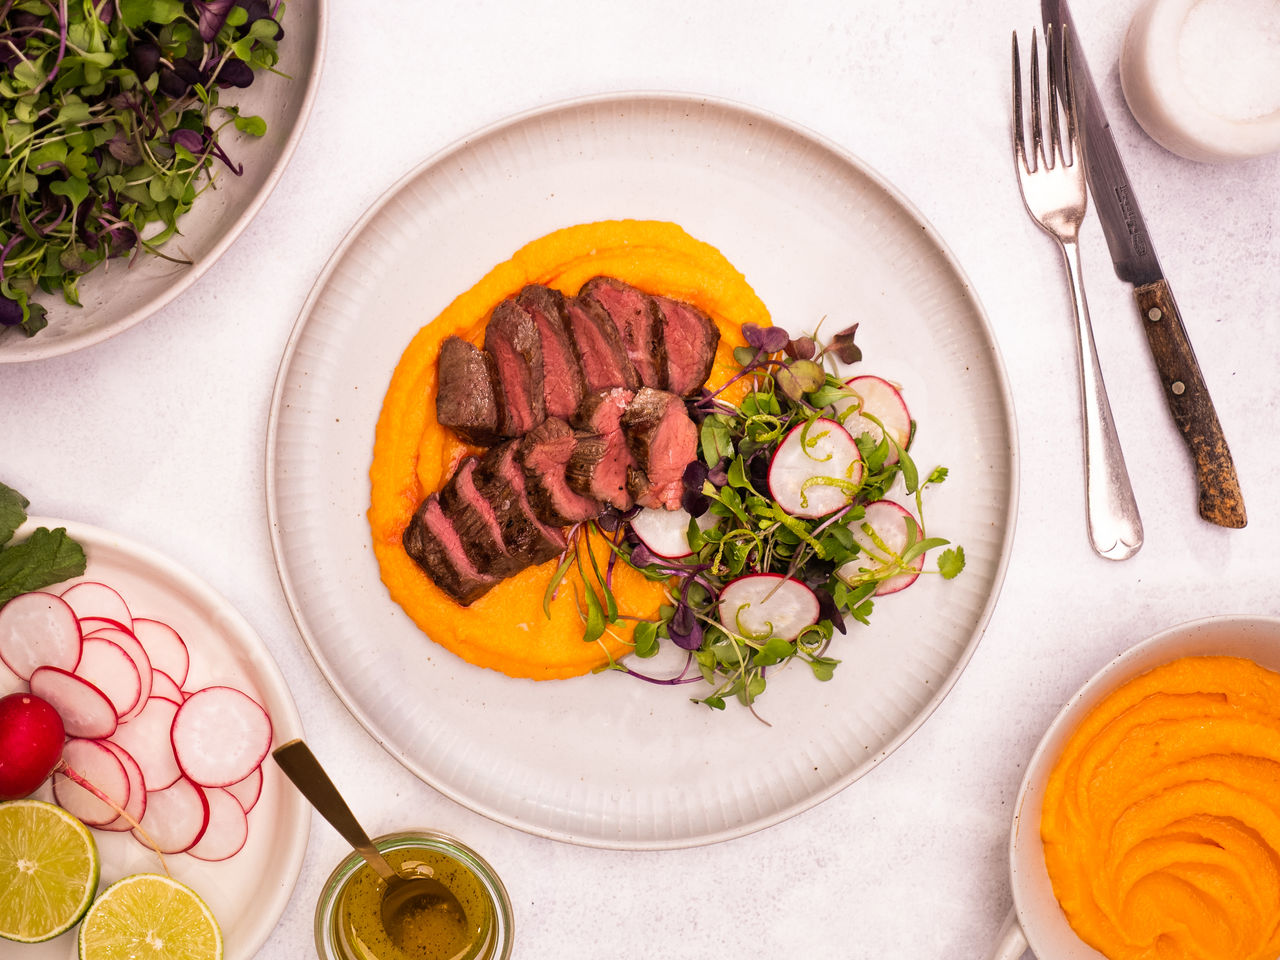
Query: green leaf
(738, 474)
(556, 579)
(595, 617)
(253, 126)
(46, 557)
(823, 668)
(645, 638)
(13, 512)
(951, 562)
(744, 356)
(715, 439)
(75, 189)
(774, 651)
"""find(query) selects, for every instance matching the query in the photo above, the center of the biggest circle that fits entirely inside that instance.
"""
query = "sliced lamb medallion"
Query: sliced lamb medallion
(511, 339)
(477, 524)
(598, 466)
(691, 338)
(500, 480)
(638, 321)
(435, 546)
(664, 441)
(545, 453)
(468, 399)
(561, 376)
(602, 354)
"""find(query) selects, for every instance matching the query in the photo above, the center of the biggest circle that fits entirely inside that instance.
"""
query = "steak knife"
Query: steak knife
(1135, 262)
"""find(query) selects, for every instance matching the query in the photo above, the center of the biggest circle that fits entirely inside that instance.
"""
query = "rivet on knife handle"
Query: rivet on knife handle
(1184, 388)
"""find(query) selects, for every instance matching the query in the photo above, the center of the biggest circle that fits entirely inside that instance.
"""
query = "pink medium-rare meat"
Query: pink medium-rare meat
(639, 323)
(561, 375)
(598, 466)
(691, 338)
(601, 352)
(511, 339)
(663, 441)
(500, 479)
(435, 546)
(477, 525)
(545, 452)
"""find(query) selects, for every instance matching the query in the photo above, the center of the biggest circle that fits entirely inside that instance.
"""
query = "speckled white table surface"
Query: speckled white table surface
(159, 433)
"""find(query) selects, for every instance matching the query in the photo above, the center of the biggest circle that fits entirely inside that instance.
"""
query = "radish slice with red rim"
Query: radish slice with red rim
(228, 827)
(127, 642)
(220, 735)
(764, 605)
(147, 738)
(163, 685)
(89, 624)
(165, 647)
(881, 400)
(96, 765)
(248, 790)
(888, 521)
(85, 710)
(666, 532)
(105, 665)
(89, 598)
(38, 630)
(137, 804)
(176, 816)
(816, 469)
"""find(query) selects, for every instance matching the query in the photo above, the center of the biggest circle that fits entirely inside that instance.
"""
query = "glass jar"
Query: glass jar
(347, 922)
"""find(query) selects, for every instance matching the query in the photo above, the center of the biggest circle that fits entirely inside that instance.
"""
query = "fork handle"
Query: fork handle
(1115, 529)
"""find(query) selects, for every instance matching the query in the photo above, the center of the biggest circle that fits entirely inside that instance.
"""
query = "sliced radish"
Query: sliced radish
(228, 827)
(127, 642)
(666, 532)
(89, 624)
(137, 805)
(163, 685)
(89, 598)
(176, 816)
(165, 648)
(888, 522)
(147, 738)
(220, 735)
(105, 665)
(38, 630)
(881, 400)
(85, 710)
(93, 763)
(763, 605)
(248, 790)
(808, 458)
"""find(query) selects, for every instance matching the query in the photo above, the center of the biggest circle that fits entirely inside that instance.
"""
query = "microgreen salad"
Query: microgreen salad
(786, 528)
(110, 119)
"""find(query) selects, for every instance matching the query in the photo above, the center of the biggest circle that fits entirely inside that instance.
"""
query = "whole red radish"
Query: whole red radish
(31, 738)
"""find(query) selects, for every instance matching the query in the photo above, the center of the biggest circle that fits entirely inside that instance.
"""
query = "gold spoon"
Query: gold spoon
(403, 894)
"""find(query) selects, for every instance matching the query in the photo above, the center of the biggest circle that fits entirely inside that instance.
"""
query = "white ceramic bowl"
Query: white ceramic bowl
(118, 295)
(1036, 920)
(1200, 77)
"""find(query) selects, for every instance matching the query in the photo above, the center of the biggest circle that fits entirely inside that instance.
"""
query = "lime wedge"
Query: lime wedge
(48, 870)
(150, 917)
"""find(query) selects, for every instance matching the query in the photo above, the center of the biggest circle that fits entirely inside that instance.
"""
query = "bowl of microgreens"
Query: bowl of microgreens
(138, 138)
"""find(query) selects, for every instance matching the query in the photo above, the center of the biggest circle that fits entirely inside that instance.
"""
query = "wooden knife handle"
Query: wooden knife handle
(1184, 388)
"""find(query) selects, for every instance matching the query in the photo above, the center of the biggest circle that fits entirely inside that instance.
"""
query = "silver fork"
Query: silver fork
(1053, 189)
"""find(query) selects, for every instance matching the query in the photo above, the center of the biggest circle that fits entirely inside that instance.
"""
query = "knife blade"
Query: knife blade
(1135, 262)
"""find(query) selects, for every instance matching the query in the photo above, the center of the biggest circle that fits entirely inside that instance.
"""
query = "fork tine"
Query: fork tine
(1068, 94)
(1037, 135)
(1056, 153)
(1019, 135)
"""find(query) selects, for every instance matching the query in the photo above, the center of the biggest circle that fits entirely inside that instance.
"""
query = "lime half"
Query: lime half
(48, 870)
(150, 917)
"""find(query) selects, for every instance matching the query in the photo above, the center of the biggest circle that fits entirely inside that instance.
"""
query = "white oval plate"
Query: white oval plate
(608, 760)
(247, 893)
(116, 296)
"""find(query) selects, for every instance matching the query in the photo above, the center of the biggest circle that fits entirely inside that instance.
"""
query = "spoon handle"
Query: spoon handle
(300, 765)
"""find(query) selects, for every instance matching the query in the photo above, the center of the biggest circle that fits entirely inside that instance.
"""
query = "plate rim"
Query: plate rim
(514, 121)
(297, 833)
(188, 278)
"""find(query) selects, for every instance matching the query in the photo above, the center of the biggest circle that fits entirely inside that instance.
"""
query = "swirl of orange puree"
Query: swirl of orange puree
(413, 456)
(1161, 820)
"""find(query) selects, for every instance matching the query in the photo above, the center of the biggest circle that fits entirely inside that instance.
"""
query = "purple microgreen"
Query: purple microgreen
(801, 349)
(844, 348)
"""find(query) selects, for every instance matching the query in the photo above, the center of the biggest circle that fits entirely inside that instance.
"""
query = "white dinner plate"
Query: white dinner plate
(118, 295)
(248, 892)
(607, 760)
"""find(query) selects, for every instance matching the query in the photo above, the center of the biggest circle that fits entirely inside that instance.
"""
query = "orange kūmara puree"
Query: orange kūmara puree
(507, 629)
(1161, 822)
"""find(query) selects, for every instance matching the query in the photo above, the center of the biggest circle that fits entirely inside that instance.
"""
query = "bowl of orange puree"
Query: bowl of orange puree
(1148, 823)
